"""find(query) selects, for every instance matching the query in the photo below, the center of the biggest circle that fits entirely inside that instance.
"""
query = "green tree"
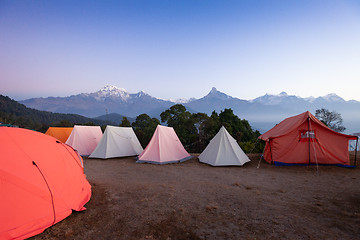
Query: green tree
(180, 119)
(211, 126)
(125, 122)
(89, 124)
(241, 130)
(144, 127)
(331, 119)
(64, 123)
(196, 130)
(175, 115)
(203, 133)
(42, 128)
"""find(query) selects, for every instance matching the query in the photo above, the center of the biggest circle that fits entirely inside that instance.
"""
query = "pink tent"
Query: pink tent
(84, 139)
(164, 147)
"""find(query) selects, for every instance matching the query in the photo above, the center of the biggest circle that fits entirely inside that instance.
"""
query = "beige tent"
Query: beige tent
(117, 142)
(223, 150)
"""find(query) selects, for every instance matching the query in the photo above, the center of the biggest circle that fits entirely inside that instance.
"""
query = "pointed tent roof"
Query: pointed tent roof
(60, 133)
(223, 150)
(84, 139)
(42, 181)
(303, 139)
(164, 147)
(117, 142)
(292, 123)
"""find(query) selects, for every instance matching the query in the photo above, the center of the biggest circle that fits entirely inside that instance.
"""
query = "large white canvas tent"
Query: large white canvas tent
(117, 142)
(164, 147)
(84, 139)
(223, 150)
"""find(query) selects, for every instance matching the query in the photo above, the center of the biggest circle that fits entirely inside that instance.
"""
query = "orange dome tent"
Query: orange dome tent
(303, 139)
(41, 181)
(60, 133)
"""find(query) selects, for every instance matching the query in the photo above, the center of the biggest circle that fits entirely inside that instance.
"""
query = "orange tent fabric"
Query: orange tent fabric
(41, 181)
(60, 133)
(303, 139)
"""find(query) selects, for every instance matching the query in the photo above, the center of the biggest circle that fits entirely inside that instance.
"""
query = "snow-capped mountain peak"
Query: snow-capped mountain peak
(178, 100)
(332, 97)
(111, 88)
(213, 90)
(112, 92)
(182, 100)
(310, 99)
(141, 93)
(272, 99)
(214, 93)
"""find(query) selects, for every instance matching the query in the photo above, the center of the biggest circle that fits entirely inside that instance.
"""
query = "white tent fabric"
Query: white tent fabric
(84, 139)
(223, 150)
(117, 142)
(164, 147)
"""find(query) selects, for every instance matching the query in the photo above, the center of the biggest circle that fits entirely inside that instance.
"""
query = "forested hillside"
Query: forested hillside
(195, 130)
(12, 112)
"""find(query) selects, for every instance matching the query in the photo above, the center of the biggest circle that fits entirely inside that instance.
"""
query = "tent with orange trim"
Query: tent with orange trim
(60, 133)
(303, 139)
(84, 139)
(164, 147)
(42, 181)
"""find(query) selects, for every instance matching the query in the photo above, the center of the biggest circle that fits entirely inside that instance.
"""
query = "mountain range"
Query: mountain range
(262, 112)
(15, 113)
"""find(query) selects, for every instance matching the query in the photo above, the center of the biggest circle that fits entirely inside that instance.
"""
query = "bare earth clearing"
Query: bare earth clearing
(192, 200)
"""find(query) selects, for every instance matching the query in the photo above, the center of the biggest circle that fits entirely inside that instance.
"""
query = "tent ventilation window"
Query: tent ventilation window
(307, 135)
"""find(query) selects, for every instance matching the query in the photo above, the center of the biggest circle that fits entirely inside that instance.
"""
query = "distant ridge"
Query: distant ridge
(109, 99)
(114, 118)
(19, 114)
(262, 112)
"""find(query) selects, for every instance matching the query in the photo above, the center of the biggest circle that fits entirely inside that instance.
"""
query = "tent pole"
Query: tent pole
(254, 146)
(261, 157)
(309, 138)
(356, 146)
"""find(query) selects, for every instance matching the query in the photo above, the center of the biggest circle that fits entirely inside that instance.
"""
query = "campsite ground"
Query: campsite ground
(192, 200)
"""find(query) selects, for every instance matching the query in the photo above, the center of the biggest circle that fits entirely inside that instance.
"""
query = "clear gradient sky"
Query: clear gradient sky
(179, 48)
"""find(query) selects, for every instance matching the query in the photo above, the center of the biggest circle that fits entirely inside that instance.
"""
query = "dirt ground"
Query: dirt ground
(192, 200)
